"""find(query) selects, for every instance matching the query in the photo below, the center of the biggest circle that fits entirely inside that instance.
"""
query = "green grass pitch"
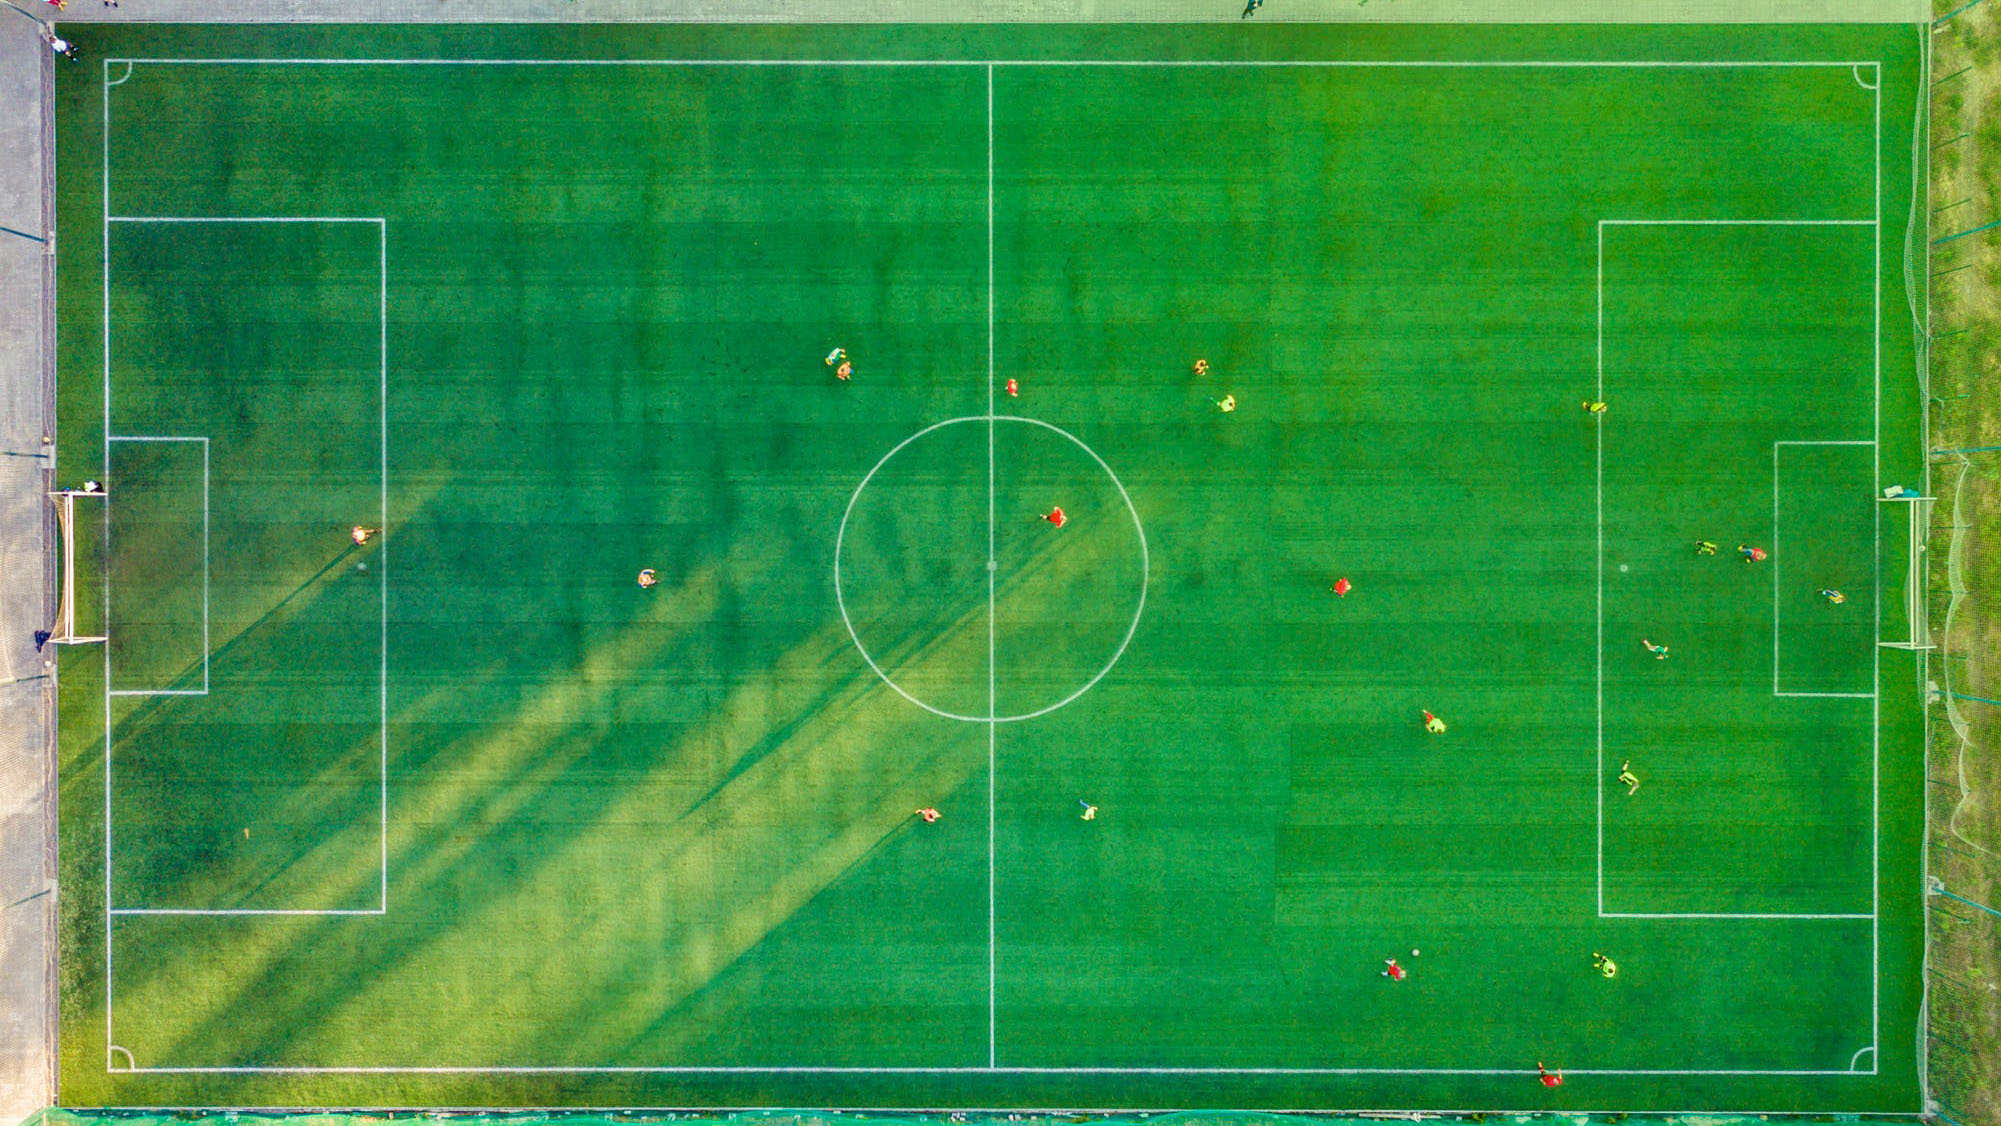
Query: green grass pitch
(464, 816)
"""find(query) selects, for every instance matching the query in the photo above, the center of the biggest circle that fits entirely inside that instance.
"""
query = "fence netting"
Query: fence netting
(1960, 361)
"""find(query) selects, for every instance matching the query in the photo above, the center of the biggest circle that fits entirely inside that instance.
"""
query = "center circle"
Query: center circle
(961, 594)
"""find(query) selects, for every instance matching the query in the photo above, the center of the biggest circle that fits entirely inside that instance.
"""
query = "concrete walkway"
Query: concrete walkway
(27, 697)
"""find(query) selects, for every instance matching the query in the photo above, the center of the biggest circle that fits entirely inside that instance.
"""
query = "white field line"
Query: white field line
(809, 1070)
(1729, 915)
(1371, 64)
(1876, 734)
(993, 564)
(104, 283)
(1412, 1114)
(1601, 225)
(1876, 718)
(1735, 222)
(246, 911)
(1599, 443)
(1132, 628)
(243, 219)
(382, 548)
(205, 645)
(991, 718)
(1876, 679)
(382, 310)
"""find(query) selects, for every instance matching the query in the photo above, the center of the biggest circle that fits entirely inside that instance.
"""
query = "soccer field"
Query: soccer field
(463, 815)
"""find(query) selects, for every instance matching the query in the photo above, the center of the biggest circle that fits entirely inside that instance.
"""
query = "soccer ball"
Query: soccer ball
(1413, 953)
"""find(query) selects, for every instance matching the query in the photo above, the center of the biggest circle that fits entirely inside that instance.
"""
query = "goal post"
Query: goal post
(63, 630)
(1919, 508)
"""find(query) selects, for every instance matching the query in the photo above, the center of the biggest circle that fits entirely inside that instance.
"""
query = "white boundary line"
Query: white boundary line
(104, 284)
(1876, 735)
(1412, 1114)
(1778, 559)
(1559, 64)
(808, 1070)
(1876, 678)
(203, 690)
(991, 719)
(993, 573)
(382, 307)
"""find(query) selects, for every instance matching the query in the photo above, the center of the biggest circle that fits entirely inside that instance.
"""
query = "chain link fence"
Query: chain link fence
(1963, 841)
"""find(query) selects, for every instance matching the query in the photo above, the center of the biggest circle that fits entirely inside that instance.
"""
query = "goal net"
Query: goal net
(63, 630)
(1919, 508)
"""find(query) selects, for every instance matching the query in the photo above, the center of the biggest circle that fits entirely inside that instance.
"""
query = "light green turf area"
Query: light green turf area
(657, 846)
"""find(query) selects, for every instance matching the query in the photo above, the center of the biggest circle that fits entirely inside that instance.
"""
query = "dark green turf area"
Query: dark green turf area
(656, 847)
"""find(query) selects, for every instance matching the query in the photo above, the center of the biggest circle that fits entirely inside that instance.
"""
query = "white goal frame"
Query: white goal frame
(63, 630)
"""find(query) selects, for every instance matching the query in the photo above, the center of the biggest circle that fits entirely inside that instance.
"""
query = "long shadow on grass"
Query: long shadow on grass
(533, 756)
(826, 772)
(311, 800)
